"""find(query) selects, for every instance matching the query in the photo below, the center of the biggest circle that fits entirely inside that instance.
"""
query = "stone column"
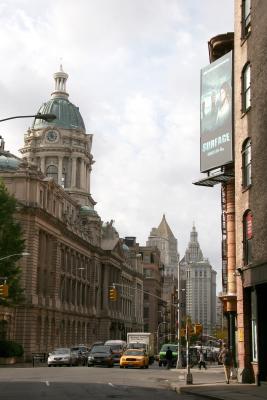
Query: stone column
(85, 176)
(60, 163)
(88, 178)
(105, 293)
(231, 266)
(81, 173)
(43, 164)
(231, 243)
(73, 171)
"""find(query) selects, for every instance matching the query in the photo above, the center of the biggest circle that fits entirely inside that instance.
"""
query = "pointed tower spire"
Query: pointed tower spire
(193, 234)
(164, 230)
(193, 251)
(60, 84)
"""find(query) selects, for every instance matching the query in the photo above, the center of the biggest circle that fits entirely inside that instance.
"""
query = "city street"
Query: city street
(93, 383)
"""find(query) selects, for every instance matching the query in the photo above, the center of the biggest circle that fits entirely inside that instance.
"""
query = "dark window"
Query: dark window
(51, 172)
(246, 88)
(146, 312)
(146, 327)
(246, 17)
(246, 163)
(247, 233)
(3, 329)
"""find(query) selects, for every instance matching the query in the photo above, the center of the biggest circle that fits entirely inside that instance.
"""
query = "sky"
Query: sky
(134, 72)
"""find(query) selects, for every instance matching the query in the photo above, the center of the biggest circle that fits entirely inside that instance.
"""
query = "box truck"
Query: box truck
(142, 340)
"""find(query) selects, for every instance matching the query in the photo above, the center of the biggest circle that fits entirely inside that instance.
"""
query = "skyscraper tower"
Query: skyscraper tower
(62, 148)
(163, 238)
(200, 285)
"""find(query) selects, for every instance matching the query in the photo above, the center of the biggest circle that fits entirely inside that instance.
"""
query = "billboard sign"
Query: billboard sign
(216, 141)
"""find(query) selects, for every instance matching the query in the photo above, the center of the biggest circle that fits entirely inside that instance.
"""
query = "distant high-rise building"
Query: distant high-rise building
(163, 238)
(200, 285)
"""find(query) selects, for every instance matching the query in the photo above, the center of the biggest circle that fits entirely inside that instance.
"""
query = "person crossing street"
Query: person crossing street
(169, 357)
(201, 361)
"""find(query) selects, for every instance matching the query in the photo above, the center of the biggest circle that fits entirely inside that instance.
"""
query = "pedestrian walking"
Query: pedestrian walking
(201, 360)
(169, 357)
(226, 358)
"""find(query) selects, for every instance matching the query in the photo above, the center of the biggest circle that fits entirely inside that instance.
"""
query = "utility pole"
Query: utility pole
(189, 376)
(179, 352)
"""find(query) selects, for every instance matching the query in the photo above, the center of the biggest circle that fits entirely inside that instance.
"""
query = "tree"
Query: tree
(11, 242)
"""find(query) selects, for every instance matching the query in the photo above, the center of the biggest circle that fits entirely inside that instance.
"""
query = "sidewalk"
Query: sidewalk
(211, 384)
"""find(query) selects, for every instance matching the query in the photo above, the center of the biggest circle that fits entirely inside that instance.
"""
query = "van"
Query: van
(117, 348)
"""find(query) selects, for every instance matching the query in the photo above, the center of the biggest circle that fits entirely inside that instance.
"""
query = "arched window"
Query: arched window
(247, 236)
(246, 163)
(246, 103)
(52, 172)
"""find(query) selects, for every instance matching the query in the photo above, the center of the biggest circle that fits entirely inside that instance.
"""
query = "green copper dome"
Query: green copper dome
(9, 163)
(87, 210)
(68, 115)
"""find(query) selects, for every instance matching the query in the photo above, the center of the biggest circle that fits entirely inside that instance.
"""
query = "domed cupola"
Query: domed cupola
(87, 211)
(8, 162)
(62, 149)
(68, 115)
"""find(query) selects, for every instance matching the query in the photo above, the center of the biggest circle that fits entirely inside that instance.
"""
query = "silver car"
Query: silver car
(62, 356)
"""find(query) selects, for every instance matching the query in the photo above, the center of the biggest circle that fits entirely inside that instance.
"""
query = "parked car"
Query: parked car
(100, 355)
(82, 353)
(134, 358)
(117, 348)
(97, 344)
(62, 356)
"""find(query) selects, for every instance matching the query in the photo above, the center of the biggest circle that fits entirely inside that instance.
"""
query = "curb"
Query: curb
(185, 390)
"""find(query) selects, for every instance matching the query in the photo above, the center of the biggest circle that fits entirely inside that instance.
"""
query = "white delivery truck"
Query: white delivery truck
(142, 340)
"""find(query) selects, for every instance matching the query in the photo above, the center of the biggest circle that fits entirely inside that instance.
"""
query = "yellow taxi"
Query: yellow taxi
(134, 358)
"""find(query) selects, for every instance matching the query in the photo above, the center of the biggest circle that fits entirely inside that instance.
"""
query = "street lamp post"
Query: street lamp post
(13, 255)
(5, 278)
(45, 117)
(179, 347)
(161, 323)
(189, 376)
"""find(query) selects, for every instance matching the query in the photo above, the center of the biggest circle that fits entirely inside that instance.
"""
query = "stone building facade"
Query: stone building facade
(74, 258)
(154, 306)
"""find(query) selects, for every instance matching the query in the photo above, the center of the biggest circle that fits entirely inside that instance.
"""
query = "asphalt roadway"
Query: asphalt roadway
(64, 383)
(97, 383)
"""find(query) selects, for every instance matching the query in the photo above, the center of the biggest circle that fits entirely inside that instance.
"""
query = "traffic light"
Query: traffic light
(3, 290)
(182, 332)
(113, 294)
(198, 329)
